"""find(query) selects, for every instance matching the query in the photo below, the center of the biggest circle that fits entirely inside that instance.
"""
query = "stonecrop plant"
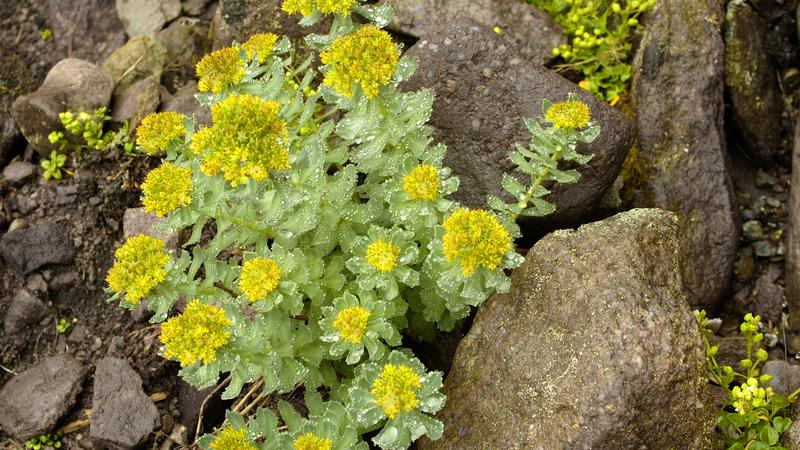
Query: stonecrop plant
(321, 234)
(752, 416)
(600, 34)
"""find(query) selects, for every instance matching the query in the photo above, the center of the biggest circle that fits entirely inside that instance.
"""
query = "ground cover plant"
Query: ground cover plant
(600, 48)
(321, 234)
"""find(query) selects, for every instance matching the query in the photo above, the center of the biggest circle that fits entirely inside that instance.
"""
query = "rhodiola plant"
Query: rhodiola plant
(321, 233)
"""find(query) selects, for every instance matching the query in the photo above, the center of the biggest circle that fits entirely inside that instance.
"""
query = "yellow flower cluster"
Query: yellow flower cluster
(232, 439)
(307, 7)
(260, 44)
(382, 255)
(309, 441)
(572, 115)
(352, 323)
(260, 276)
(367, 57)
(196, 334)
(219, 70)
(139, 265)
(247, 140)
(422, 183)
(395, 389)
(750, 396)
(166, 189)
(157, 131)
(476, 238)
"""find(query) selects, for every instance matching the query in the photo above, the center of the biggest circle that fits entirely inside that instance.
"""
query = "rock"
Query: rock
(785, 376)
(190, 399)
(792, 273)
(136, 101)
(483, 91)
(194, 7)
(86, 30)
(791, 437)
(678, 96)
(28, 249)
(142, 57)
(136, 221)
(529, 31)
(186, 41)
(753, 231)
(756, 99)
(24, 310)
(18, 172)
(66, 194)
(768, 295)
(71, 85)
(122, 414)
(185, 103)
(147, 16)
(15, 80)
(594, 347)
(34, 400)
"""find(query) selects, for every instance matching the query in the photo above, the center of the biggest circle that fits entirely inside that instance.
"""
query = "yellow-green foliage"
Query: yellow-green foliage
(601, 34)
(139, 266)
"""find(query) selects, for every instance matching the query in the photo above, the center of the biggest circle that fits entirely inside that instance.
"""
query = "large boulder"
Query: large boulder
(756, 99)
(33, 401)
(594, 347)
(682, 163)
(15, 80)
(484, 90)
(531, 32)
(71, 85)
(122, 414)
(142, 17)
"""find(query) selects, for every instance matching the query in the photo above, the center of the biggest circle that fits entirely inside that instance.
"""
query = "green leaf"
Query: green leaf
(781, 424)
(769, 435)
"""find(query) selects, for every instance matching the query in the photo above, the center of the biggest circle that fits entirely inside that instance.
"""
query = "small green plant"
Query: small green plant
(752, 416)
(601, 34)
(54, 165)
(46, 34)
(334, 235)
(62, 326)
(46, 440)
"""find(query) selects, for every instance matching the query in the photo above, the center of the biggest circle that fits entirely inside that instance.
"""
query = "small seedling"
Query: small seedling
(46, 34)
(52, 167)
(62, 326)
(46, 440)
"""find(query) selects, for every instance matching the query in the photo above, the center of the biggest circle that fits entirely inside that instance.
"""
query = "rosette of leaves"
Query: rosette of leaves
(382, 259)
(355, 323)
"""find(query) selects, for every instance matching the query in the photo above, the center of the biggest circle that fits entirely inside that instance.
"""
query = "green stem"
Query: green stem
(535, 183)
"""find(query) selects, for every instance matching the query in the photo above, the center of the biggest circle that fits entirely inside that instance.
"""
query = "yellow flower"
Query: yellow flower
(367, 57)
(220, 69)
(196, 334)
(395, 389)
(382, 255)
(352, 323)
(310, 442)
(260, 276)
(166, 189)
(306, 7)
(422, 183)
(260, 44)
(476, 238)
(139, 265)
(572, 115)
(159, 130)
(232, 439)
(248, 139)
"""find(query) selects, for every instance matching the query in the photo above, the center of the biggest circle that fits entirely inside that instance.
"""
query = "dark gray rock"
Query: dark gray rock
(87, 29)
(594, 347)
(28, 249)
(71, 85)
(678, 96)
(24, 310)
(530, 32)
(143, 17)
(756, 99)
(141, 57)
(785, 376)
(484, 89)
(15, 80)
(768, 296)
(185, 103)
(190, 399)
(135, 102)
(33, 401)
(792, 273)
(18, 172)
(186, 41)
(122, 414)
